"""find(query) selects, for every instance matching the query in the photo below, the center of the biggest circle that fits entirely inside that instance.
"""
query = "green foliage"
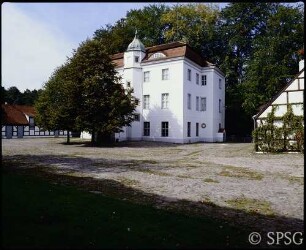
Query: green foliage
(273, 62)
(147, 21)
(288, 137)
(86, 95)
(13, 96)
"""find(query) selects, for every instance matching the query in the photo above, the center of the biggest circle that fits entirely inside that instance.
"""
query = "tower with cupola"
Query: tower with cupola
(132, 73)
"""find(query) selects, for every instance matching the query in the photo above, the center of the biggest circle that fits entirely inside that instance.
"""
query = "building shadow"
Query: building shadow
(247, 222)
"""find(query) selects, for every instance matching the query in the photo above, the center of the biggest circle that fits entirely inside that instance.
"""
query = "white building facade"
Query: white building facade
(181, 96)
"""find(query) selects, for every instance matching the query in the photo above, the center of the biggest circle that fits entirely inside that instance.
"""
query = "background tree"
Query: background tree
(56, 105)
(13, 95)
(274, 58)
(147, 21)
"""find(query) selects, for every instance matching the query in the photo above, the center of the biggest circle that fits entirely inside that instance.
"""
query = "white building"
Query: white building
(182, 96)
(292, 93)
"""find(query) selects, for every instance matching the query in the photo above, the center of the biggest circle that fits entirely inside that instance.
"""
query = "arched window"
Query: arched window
(157, 55)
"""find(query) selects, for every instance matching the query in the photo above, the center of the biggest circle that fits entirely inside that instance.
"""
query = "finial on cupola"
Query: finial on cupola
(136, 33)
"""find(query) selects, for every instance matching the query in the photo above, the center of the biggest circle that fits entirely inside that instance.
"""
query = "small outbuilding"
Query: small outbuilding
(18, 121)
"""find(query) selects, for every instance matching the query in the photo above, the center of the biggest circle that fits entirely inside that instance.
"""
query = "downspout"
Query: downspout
(253, 117)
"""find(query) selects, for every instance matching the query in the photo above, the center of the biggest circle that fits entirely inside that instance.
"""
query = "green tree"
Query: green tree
(147, 21)
(57, 105)
(194, 24)
(106, 105)
(86, 95)
(274, 59)
(13, 95)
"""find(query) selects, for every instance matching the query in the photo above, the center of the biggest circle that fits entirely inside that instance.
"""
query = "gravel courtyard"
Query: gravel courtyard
(229, 175)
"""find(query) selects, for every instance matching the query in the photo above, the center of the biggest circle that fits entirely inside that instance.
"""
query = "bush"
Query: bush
(288, 137)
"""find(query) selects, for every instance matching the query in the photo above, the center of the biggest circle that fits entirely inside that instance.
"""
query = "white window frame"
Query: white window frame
(165, 74)
(165, 129)
(146, 129)
(197, 103)
(219, 105)
(197, 78)
(220, 83)
(189, 74)
(136, 59)
(188, 129)
(164, 100)
(203, 104)
(146, 102)
(146, 76)
(204, 80)
(189, 101)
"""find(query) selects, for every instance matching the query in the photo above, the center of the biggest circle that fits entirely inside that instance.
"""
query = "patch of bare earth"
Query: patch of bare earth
(227, 180)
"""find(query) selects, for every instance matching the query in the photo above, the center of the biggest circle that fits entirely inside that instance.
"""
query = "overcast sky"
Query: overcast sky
(38, 37)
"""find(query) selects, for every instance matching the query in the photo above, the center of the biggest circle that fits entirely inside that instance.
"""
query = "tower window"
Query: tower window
(136, 59)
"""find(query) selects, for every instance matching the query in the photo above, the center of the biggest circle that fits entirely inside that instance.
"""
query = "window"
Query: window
(146, 76)
(203, 103)
(197, 129)
(220, 83)
(165, 101)
(146, 129)
(197, 78)
(136, 117)
(189, 75)
(165, 129)
(219, 105)
(188, 129)
(157, 55)
(137, 102)
(197, 103)
(219, 126)
(31, 123)
(204, 80)
(165, 74)
(136, 59)
(146, 102)
(128, 84)
(189, 101)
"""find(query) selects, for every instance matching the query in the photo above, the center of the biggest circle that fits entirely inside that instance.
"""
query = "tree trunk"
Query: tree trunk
(68, 137)
(104, 138)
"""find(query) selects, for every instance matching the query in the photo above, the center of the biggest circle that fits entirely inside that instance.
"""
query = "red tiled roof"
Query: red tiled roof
(171, 50)
(16, 114)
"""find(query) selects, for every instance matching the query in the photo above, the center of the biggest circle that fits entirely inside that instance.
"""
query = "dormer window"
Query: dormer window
(136, 59)
(157, 55)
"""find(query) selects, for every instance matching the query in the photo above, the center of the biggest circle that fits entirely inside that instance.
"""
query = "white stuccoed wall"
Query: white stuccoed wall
(177, 86)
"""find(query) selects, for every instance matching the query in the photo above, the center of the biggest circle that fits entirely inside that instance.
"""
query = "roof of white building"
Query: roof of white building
(136, 44)
(169, 50)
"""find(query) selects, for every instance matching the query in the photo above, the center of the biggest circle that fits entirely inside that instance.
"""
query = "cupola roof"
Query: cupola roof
(136, 44)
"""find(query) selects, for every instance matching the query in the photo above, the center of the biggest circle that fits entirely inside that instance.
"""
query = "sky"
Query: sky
(36, 38)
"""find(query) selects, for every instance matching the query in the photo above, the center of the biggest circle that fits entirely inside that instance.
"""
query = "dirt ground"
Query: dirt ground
(227, 175)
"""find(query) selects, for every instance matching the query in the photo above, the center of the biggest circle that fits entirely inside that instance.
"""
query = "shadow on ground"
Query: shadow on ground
(123, 144)
(237, 218)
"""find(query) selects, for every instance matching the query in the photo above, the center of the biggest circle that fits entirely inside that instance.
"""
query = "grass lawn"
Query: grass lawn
(38, 213)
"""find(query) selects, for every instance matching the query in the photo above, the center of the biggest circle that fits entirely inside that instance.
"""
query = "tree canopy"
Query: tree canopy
(86, 95)
(255, 44)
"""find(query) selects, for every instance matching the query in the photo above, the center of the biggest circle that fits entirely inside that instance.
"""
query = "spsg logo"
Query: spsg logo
(277, 238)
(285, 238)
